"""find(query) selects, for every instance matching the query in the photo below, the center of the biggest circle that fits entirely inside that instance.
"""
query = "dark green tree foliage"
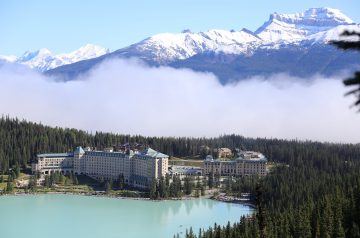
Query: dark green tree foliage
(315, 193)
(10, 184)
(217, 180)
(175, 187)
(153, 189)
(355, 80)
(211, 180)
(188, 185)
(32, 183)
(260, 210)
(163, 188)
(171, 187)
(121, 182)
(108, 185)
(20, 141)
(229, 185)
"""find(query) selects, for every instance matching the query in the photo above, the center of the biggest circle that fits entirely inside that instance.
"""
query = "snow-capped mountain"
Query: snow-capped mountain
(335, 34)
(311, 25)
(298, 26)
(281, 44)
(44, 60)
(167, 47)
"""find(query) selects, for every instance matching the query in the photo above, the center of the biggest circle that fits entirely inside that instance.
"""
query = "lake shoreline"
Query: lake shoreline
(225, 199)
(103, 195)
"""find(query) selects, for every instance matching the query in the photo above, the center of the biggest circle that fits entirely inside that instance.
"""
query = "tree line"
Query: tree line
(316, 194)
(20, 141)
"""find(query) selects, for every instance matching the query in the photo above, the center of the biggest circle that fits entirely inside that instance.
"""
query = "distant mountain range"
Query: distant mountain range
(43, 60)
(297, 44)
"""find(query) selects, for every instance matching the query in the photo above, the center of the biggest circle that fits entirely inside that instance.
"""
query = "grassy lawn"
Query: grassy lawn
(186, 162)
(65, 188)
(23, 176)
(5, 177)
(128, 193)
(3, 184)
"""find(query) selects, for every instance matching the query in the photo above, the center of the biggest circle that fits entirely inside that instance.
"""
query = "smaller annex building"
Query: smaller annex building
(138, 168)
(248, 163)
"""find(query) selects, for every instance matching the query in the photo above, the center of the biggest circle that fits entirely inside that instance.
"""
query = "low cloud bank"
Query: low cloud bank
(129, 97)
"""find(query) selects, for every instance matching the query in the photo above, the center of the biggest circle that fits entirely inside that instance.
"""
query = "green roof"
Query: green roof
(153, 153)
(53, 155)
(79, 150)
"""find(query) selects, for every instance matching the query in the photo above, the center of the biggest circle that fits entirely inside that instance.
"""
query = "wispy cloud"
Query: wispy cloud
(129, 97)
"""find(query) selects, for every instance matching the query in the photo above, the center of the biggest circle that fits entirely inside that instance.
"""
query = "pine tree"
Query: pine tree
(9, 185)
(153, 190)
(32, 183)
(162, 188)
(211, 180)
(338, 230)
(76, 181)
(217, 180)
(355, 80)
(260, 211)
(121, 182)
(228, 185)
(354, 231)
(107, 187)
(202, 189)
(188, 185)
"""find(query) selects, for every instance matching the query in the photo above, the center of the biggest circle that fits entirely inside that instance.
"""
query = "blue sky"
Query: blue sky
(63, 26)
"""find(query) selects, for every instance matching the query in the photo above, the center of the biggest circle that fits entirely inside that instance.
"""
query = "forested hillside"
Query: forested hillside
(317, 196)
(316, 193)
(20, 141)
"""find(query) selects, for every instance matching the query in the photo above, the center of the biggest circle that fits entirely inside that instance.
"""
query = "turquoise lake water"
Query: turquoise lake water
(55, 216)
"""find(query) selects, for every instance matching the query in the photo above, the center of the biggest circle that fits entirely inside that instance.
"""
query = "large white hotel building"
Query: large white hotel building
(138, 168)
(248, 163)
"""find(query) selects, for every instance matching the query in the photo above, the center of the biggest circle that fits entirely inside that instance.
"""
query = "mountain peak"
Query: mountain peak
(43, 59)
(296, 26)
(87, 51)
(44, 51)
(91, 47)
(324, 16)
(29, 55)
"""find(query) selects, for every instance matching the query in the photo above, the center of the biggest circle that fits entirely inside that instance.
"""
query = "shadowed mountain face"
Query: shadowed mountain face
(297, 44)
(296, 61)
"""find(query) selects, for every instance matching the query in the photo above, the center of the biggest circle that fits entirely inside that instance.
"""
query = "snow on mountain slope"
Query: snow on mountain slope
(280, 45)
(279, 30)
(167, 47)
(40, 59)
(334, 34)
(315, 25)
(44, 60)
(85, 52)
(294, 27)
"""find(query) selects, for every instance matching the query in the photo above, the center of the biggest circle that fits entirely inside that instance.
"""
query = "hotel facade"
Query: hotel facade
(138, 168)
(247, 164)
